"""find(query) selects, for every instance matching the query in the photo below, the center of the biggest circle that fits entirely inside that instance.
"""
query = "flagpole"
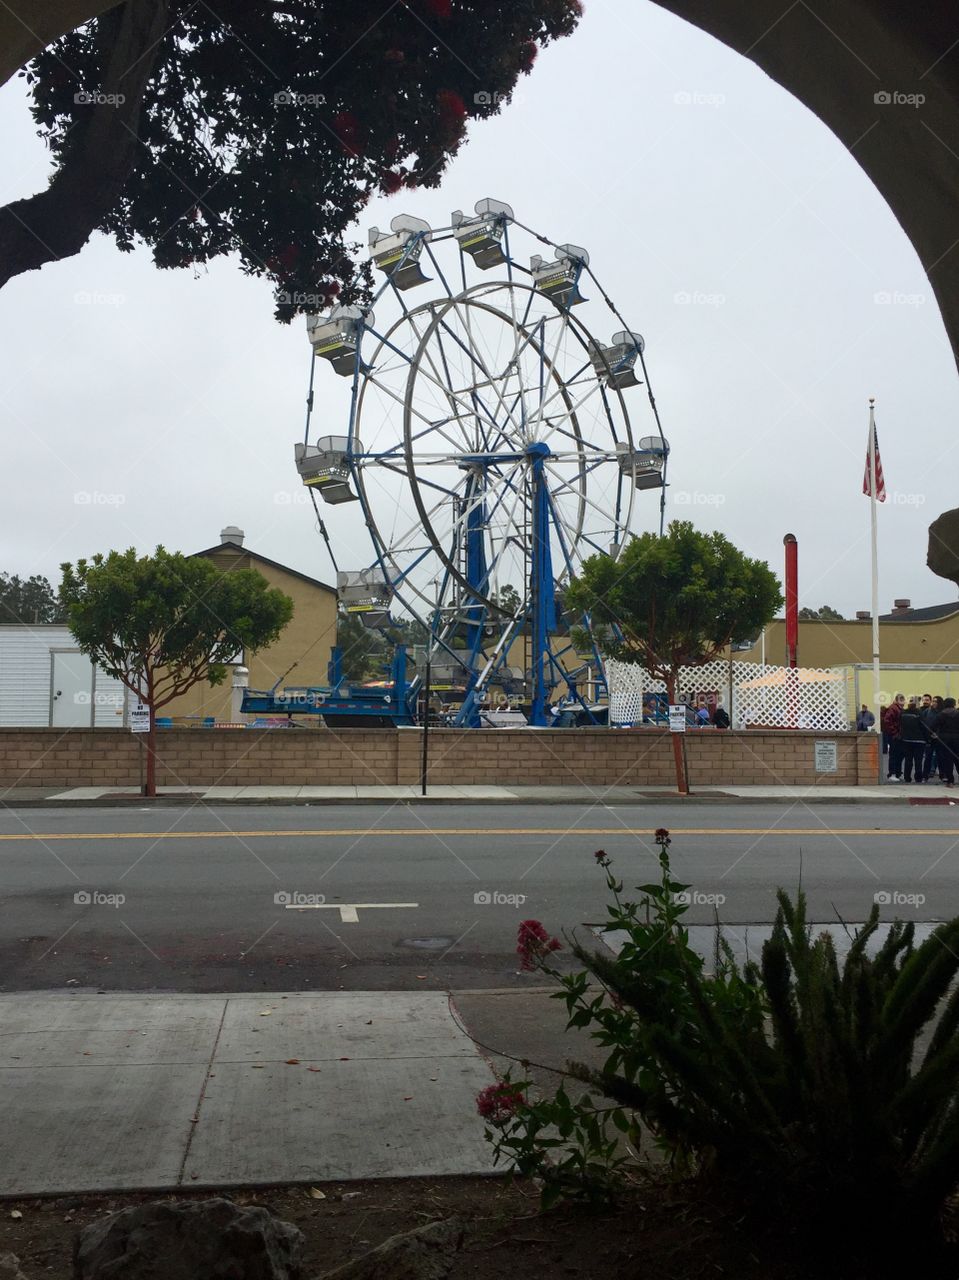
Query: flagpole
(875, 573)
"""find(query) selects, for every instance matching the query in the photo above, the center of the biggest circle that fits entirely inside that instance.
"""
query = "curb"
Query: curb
(643, 798)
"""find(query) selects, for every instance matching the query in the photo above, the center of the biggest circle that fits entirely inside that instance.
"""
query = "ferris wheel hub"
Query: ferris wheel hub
(538, 449)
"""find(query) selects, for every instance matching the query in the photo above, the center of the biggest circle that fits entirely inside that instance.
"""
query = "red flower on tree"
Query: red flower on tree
(527, 55)
(533, 944)
(347, 128)
(451, 106)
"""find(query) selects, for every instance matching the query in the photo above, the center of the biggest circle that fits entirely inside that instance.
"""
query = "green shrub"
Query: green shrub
(798, 1081)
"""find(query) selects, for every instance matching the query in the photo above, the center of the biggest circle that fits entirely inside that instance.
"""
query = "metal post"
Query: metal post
(426, 718)
(434, 624)
(541, 585)
(876, 677)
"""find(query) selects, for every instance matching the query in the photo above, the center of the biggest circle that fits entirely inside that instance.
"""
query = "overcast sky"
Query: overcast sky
(774, 287)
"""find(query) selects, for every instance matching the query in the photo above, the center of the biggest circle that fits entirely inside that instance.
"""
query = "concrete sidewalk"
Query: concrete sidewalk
(99, 797)
(120, 1092)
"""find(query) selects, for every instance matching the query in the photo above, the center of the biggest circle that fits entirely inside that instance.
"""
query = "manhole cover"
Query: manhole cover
(427, 944)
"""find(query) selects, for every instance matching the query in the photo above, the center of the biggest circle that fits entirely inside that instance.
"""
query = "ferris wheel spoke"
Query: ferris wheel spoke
(447, 393)
(416, 527)
(579, 440)
(403, 574)
(404, 474)
(571, 411)
(454, 396)
(473, 354)
(607, 518)
(517, 540)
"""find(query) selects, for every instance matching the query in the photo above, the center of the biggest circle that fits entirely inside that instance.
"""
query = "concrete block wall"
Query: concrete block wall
(370, 757)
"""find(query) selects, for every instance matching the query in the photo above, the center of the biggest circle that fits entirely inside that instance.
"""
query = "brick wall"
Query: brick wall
(591, 757)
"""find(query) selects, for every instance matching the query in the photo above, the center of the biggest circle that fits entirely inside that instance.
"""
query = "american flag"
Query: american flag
(880, 482)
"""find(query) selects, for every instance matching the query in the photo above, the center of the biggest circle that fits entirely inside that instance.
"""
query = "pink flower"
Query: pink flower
(499, 1102)
(534, 944)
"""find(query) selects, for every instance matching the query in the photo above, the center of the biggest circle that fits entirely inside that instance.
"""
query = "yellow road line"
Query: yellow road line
(419, 833)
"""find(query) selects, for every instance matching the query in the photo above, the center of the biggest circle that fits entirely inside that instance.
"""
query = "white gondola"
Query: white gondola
(335, 336)
(645, 463)
(324, 466)
(616, 364)
(397, 252)
(366, 594)
(559, 280)
(481, 237)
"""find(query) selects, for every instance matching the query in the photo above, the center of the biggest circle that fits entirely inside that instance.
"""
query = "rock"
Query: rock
(188, 1240)
(943, 555)
(10, 1267)
(428, 1253)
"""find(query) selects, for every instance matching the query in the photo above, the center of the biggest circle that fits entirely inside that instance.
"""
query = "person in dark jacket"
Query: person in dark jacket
(946, 729)
(927, 714)
(865, 719)
(721, 718)
(912, 739)
(890, 727)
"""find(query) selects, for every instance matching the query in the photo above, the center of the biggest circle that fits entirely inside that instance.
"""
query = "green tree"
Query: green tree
(29, 600)
(674, 601)
(260, 128)
(825, 614)
(364, 651)
(163, 623)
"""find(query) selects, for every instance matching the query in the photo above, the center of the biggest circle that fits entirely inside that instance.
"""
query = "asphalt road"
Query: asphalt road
(406, 897)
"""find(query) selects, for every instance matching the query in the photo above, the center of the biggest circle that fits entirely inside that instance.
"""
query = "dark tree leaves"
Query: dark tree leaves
(266, 127)
(28, 600)
(675, 601)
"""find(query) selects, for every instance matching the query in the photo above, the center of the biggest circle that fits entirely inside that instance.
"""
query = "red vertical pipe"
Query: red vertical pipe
(792, 600)
(792, 628)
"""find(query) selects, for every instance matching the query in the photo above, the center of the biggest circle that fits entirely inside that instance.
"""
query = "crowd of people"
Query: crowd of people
(920, 738)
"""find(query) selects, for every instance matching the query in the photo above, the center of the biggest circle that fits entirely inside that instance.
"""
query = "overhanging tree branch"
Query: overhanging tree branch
(26, 28)
(57, 223)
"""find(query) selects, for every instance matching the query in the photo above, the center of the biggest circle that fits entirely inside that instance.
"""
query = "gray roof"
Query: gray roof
(931, 613)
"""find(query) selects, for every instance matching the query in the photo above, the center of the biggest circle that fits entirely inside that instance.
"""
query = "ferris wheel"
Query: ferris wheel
(489, 446)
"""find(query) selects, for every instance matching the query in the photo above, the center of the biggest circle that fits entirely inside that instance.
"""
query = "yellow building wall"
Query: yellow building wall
(833, 644)
(304, 644)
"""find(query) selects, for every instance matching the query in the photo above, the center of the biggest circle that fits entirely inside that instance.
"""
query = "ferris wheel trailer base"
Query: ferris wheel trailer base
(389, 704)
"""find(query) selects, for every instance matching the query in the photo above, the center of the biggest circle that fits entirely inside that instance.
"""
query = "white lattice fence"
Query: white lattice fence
(779, 697)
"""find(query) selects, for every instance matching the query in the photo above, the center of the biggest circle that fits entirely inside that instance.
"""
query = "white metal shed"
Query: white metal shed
(46, 681)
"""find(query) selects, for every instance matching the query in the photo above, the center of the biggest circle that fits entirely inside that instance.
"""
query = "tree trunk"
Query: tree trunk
(56, 223)
(682, 785)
